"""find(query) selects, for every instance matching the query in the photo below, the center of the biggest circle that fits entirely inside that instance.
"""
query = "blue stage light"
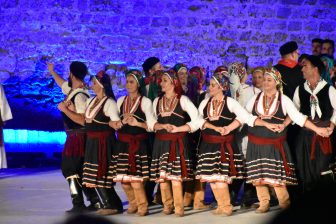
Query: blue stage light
(33, 136)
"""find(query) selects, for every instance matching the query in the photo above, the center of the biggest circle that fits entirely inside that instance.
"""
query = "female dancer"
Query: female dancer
(171, 152)
(268, 159)
(219, 160)
(100, 142)
(132, 168)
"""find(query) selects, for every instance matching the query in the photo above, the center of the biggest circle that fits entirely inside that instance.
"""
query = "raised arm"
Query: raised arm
(58, 79)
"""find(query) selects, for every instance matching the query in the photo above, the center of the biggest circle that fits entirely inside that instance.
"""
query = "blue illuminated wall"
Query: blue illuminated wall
(105, 32)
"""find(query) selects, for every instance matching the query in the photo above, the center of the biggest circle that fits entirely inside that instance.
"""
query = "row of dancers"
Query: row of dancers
(171, 139)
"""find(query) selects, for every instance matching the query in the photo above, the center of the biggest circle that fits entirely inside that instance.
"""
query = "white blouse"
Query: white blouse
(245, 93)
(317, 111)
(288, 108)
(188, 107)
(146, 107)
(6, 113)
(110, 108)
(234, 107)
(80, 99)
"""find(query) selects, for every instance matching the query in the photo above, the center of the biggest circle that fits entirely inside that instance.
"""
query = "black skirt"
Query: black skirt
(91, 163)
(265, 164)
(123, 171)
(211, 168)
(162, 168)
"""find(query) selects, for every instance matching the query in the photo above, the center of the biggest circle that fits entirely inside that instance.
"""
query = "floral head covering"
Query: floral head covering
(171, 74)
(198, 73)
(221, 80)
(329, 64)
(275, 74)
(237, 69)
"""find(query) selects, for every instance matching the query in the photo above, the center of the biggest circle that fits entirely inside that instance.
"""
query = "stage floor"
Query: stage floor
(31, 196)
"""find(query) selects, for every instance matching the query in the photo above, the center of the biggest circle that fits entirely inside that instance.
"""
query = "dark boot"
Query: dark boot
(92, 197)
(234, 191)
(115, 199)
(76, 195)
(149, 189)
(105, 201)
(250, 197)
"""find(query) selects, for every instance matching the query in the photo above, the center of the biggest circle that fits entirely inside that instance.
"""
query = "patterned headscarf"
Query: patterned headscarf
(137, 75)
(198, 73)
(221, 80)
(329, 64)
(171, 74)
(222, 70)
(237, 69)
(275, 74)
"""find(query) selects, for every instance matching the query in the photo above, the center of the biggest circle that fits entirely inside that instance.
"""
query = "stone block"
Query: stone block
(160, 21)
(143, 21)
(327, 26)
(284, 13)
(294, 26)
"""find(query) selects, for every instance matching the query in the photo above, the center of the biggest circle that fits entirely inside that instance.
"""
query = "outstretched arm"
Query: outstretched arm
(58, 79)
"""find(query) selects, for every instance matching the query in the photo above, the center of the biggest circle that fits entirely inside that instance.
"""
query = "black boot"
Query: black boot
(92, 197)
(76, 196)
(149, 188)
(107, 208)
(234, 191)
(250, 197)
(115, 199)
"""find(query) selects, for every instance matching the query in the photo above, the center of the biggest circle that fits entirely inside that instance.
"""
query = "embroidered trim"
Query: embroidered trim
(96, 109)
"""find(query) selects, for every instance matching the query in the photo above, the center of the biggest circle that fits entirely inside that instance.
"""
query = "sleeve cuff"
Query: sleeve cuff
(251, 121)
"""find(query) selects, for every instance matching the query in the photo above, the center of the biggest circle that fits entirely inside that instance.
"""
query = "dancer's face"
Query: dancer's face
(166, 84)
(269, 83)
(131, 84)
(307, 69)
(257, 79)
(155, 68)
(183, 76)
(214, 88)
(96, 87)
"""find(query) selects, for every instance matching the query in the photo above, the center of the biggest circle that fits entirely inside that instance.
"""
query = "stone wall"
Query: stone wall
(101, 32)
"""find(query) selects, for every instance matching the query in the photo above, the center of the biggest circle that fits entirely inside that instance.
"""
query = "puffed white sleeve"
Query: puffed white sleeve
(80, 103)
(155, 102)
(147, 108)
(289, 108)
(332, 97)
(201, 107)
(6, 113)
(296, 98)
(249, 107)
(111, 110)
(241, 114)
(192, 111)
(119, 102)
(65, 88)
